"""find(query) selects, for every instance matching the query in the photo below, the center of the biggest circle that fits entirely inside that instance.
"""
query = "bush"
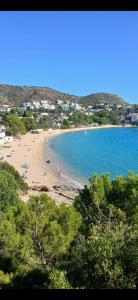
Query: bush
(11, 170)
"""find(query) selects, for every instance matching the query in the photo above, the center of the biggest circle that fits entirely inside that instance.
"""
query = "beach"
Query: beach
(28, 155)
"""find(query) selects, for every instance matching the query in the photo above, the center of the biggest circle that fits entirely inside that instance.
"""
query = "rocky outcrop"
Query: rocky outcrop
(41, 188)
(65, 187)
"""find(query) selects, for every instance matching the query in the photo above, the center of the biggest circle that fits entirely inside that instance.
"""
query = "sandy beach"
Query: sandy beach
(30, 151)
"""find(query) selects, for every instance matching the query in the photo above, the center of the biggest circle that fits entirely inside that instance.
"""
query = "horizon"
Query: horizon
(77, 53)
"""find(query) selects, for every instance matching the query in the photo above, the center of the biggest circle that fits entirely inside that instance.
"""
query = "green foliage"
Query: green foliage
(11, 170)
(29, 123)
(78, 118)
(5, 279)
(15, 125)
(45, 122)
(8, 190)
(66, 124)
(90, 244)
(114, 118)
(98, 98)
(59, 280)
(104, 254)
(37, 235)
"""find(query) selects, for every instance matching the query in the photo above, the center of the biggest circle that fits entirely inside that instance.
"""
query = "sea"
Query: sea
(81, 154)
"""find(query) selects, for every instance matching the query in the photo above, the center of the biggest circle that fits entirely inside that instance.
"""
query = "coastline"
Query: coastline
(32, 150)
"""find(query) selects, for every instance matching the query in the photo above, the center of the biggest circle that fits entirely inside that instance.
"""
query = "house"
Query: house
(119, 106)
(26, 105)
(8, 139)
(5, 139)
(50, 130)
(44, 114)
(59, 102)
(5, 108)
(77, 107)
(65, 106)
(134, 117)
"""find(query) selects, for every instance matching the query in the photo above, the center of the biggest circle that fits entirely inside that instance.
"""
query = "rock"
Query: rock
(41, 188)
(48, 161)
(65, 188)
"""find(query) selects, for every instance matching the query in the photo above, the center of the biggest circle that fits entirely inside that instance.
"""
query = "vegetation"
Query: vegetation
(102, 118)
(16, 95)
(14, 125)
(11, 170)
(45, 122)
(100, 255)
(66, 124)
(99, 98)
(29, 123)
(90, 244)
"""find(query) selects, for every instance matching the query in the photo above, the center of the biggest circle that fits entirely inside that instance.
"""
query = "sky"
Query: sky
(79, 53)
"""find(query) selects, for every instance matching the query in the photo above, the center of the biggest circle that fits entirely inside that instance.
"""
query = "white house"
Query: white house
(134, 117)
(8, 139)
(2, 134)
(5, 139)
(50, 130)
(59, 102)
(26, 104)
(36, 104)
(44, 114)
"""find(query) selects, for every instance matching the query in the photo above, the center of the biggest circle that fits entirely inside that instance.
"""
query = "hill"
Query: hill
(16, 95)
(99, 98)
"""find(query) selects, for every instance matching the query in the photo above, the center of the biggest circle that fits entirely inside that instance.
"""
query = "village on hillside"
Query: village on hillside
(45, 114)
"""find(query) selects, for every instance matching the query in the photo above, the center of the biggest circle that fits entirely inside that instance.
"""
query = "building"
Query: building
(65, 106)
(59, 102)
(5, 139)
(26, 105)
(8, 139)
(134, 118)
(75, 106)
(5, 108)
(44, 114)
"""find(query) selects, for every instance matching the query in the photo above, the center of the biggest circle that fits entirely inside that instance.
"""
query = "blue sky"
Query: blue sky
(75, 52)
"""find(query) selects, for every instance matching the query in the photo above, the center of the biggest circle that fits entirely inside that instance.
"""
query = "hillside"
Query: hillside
(16, 95)
(105, 98)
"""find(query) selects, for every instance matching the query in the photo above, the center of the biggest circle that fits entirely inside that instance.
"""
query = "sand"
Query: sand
(30, 150)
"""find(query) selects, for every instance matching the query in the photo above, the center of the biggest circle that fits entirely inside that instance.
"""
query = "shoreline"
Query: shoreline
(31, 150)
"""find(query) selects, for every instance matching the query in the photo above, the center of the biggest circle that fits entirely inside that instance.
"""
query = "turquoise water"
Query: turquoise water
(113, 150)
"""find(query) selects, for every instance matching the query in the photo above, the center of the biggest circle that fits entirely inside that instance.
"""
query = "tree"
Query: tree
(100, 255)
(114, 118)
(29, 123)
(45, 122)
(15, 125)
(8, 190)
(35, 235)
(66, 124)
(11, 170)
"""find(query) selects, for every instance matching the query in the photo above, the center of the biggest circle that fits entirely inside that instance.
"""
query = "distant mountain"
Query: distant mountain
(99, 98)
(16, 95)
